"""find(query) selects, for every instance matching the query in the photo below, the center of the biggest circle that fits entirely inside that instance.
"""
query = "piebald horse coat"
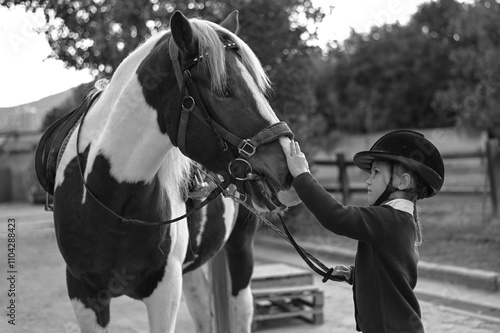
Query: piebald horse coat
(127, 151)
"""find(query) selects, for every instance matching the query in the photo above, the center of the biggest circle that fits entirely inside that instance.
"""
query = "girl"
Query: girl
(404, 166)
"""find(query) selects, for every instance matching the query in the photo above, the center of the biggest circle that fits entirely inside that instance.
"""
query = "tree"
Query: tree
(387, 79)
(99, 34)
(473, 92)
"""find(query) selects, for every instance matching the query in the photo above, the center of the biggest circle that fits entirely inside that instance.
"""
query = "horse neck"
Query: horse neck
(128, 132)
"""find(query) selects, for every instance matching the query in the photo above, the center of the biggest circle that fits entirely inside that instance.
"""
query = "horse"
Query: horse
(185, 96)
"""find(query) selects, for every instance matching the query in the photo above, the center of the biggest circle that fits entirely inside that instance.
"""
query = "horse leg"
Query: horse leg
(162, 294)
(198, 297)
(163, 303)
(91, 306)
(239, 249)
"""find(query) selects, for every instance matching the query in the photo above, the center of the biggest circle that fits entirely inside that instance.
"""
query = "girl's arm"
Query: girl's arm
(370, 225)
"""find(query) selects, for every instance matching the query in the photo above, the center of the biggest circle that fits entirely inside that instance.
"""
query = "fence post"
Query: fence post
(343, 181)
(493, 160)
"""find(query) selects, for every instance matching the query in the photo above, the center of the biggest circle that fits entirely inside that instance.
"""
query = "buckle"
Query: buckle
(246, 147)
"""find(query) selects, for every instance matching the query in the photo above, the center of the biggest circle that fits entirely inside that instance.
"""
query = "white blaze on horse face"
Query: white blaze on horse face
(290, 197)
(262, 103)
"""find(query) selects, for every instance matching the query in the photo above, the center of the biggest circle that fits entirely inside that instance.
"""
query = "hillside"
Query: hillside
(43, 105)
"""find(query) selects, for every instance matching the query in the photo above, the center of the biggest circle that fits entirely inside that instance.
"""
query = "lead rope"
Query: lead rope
(308, 258)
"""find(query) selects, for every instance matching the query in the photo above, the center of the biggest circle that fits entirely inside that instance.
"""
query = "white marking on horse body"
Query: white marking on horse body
(87, 319)
(242, 309)
(203, 223)
(120, 119)
(229, 216)
(131, 123)
(130, 138)
(262, 103)
(163, 304)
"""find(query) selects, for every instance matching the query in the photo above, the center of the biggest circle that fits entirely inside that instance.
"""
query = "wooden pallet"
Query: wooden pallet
(283, 291)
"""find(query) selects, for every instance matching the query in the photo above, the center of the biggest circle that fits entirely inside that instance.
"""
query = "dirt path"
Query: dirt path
(42, 304)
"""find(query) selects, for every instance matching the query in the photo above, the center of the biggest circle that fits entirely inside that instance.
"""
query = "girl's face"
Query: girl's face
(378, 180)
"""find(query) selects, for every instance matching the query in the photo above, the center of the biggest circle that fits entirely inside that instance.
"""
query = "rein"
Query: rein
(315, 264)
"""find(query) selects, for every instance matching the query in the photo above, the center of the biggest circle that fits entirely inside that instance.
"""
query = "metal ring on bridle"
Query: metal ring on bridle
(242, 197)
(190, 105)
(245, 162)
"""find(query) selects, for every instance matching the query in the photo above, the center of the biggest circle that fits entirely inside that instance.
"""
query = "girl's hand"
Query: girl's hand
(295, 158)
(343, 271)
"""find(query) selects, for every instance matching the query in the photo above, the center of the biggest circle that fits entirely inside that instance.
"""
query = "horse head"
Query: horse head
(217, 88)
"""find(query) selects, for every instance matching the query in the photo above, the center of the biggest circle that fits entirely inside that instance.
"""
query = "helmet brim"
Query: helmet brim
(364, 160)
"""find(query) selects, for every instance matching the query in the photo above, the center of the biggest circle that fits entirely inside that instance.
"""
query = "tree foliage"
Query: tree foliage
(441, 69)
(386, 79)
(474, 88)
(99, 34)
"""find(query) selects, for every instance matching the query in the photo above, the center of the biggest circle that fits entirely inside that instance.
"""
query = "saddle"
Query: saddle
(54, 140)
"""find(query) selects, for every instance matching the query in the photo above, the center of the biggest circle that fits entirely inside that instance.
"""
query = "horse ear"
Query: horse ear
(231, 23)
(183, 34)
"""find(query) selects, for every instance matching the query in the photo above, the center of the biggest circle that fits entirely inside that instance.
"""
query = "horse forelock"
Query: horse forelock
(209, 42)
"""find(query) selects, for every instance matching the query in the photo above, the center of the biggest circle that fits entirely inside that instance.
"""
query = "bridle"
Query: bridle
(193, 103)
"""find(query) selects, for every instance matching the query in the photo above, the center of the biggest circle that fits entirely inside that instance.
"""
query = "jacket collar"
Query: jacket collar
(401, 204)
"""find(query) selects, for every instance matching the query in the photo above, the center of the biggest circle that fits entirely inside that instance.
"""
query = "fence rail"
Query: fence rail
(491, 155)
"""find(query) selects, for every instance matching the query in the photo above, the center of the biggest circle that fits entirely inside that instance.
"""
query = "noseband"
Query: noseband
(193, 104)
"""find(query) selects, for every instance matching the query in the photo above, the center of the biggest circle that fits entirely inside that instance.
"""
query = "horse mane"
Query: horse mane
(209, 42)
(175, 171)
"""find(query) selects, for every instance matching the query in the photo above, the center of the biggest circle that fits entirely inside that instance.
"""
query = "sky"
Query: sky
(27, 75)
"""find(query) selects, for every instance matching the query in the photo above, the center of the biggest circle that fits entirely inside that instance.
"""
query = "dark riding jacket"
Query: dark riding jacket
(385, 271)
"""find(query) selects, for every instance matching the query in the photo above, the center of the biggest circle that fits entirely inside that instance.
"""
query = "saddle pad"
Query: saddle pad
(50, 146)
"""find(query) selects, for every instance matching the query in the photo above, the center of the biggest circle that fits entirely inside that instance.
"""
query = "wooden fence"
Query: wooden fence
(490, 155)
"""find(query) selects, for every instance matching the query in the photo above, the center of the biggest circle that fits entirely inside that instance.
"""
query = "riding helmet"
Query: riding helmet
(411, 149)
